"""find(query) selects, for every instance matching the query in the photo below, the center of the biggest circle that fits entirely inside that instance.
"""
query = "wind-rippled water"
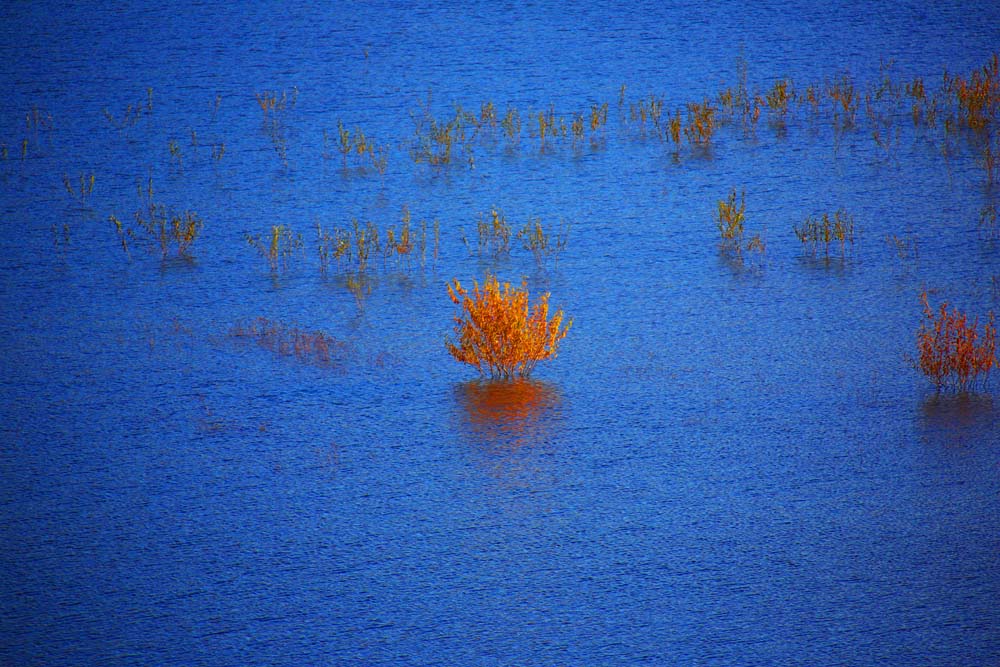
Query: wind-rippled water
(724, 465)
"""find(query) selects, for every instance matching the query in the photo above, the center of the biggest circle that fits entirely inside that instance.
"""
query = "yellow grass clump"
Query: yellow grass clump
(730, 221)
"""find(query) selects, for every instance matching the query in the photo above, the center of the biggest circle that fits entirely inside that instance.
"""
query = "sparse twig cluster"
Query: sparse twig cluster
(541, 243)
(278, 246)
(495, 235)
(362, 150)
(159, 225)
(132, 114)
(825, 230)
(83, 189)
(730, 221)
(273, 109)
(354, 247)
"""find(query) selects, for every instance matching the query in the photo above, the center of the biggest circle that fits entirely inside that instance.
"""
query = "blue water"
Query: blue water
(726, 464)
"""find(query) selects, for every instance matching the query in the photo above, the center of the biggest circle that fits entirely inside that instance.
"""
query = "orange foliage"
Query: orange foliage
(499, 332)
(952, 353)
(979, 96)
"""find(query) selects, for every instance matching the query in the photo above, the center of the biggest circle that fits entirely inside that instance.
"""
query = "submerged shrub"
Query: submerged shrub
(701, 123)
(354, 247)
(83, 191)
(845, 100)
(499, 333)
(988, 222)
(367, 152)
(778, 98)
(730, 221)
(541, 243)
(952, 352)
(978, 96)
(495, 234)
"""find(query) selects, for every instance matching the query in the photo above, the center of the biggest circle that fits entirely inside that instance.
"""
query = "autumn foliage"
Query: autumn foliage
(952, 352)
(499, 332)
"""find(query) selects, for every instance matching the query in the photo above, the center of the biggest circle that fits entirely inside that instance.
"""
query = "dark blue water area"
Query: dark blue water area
(729, 462)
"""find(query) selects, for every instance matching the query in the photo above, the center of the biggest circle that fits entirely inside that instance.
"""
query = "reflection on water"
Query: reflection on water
(958, 418)
(510, 410)
(509, 423)
(833, 264)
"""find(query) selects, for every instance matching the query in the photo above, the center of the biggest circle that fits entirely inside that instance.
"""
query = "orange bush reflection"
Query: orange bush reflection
(510, 425)
(958, 419)
(512, 412)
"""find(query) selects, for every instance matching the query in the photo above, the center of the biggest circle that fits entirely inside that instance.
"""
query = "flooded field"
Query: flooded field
(231, 431)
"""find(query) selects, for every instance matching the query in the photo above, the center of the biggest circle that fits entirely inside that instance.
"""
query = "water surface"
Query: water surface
(726, 464)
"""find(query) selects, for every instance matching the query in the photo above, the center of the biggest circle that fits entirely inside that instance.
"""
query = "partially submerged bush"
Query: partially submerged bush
(816, 231)
(155, 223)
(541, 243)
(952, 352)
(730, 221)
(353, 248)
(277, 247)
(499, 333)
(701, 123)
(495, 234)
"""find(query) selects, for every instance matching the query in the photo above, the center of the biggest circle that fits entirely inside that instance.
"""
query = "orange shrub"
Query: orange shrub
(499, 333)
(952, 353)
